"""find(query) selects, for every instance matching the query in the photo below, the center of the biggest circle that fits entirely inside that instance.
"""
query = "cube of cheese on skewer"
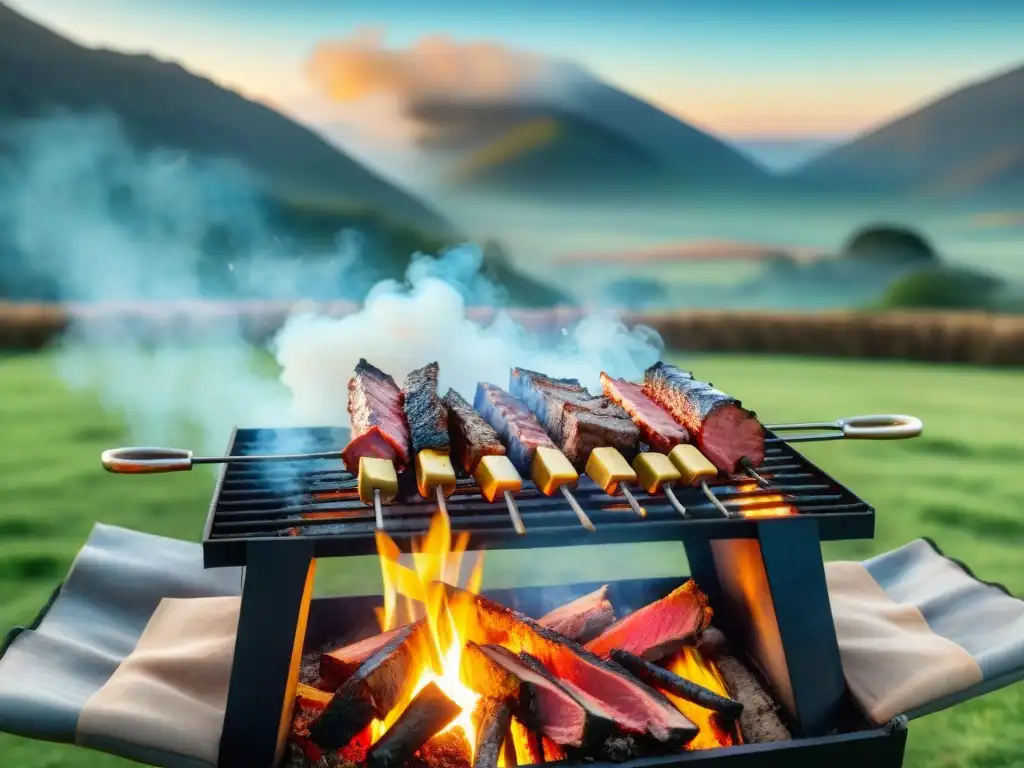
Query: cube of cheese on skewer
(693, 467)
(377, 475)
(609, 469)
(495, 475)
(434, 470)
(550, 470)
(655, 470)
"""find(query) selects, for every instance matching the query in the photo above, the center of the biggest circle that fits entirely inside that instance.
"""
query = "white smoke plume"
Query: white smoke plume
(103, 222)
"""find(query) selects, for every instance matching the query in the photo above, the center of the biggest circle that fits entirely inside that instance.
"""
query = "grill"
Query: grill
(317, 500)
(763, 575)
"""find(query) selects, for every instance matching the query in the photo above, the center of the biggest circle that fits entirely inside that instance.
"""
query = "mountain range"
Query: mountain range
(593, 140)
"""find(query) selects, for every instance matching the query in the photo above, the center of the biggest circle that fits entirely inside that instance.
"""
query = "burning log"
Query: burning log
(449, 749)
(339, 665)
(659, 629)
(633, 705)
(540, 701)
(492, 718)
(584, 618)
(309, 698)
(426, 714)
(679, 686)
(760, 722)
(380, 683)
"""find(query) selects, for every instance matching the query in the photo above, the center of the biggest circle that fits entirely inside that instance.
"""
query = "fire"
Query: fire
(436, 558)
(779, 506)
(690, 664)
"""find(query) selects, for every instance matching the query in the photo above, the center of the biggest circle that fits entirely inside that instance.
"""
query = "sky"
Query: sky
(773, 75)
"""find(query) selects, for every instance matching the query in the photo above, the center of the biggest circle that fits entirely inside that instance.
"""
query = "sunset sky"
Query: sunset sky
(754, 70)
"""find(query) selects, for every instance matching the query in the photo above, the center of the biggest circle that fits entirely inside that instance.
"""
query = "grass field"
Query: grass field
(960, 484)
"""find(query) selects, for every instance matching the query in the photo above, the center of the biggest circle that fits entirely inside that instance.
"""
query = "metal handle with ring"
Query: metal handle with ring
(874, 427)
(148, 461)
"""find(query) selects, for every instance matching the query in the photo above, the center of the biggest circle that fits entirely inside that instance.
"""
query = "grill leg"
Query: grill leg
(268, 648)
(772, 602)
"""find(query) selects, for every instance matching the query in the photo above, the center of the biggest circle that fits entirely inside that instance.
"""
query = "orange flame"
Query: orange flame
(778, 508)
(435, 559)
(690, 664)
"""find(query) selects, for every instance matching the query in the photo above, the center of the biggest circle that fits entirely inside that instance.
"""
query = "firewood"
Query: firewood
(492, 718)
(584, 618)
(427, 713)
(380, 683)
(665, 680)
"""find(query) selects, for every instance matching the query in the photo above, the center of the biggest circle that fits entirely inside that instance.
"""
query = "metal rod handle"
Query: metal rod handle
(874, 427)
(147, 461)
(378, 512)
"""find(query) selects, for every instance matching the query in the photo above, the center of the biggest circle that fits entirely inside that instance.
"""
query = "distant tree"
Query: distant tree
(944, 288)
(890, 243)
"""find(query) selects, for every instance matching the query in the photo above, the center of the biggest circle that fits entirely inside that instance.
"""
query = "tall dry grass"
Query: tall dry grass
(946, 337)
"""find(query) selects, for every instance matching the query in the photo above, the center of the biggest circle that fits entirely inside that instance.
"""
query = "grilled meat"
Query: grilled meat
(517, 428)
(340, 664)
(659, 628)
(582, 619)
(724, 431)
(636, 707)
(424, 412)
(378, 419)
(657, 427)
(472, 438)
(578, 421)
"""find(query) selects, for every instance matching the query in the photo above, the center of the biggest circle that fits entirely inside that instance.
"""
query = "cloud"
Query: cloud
(352, 69)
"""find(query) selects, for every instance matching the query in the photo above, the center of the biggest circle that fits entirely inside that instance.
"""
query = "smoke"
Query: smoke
(101, 221)
(404, 326)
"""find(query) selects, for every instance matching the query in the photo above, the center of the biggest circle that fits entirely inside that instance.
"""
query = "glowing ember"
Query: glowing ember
(767, 505)
(435, 559)
(690, 664)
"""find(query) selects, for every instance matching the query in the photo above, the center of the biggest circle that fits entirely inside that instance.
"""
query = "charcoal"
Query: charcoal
(668, 681)
(633, 705)
(584, 618)
(425, 414)
(427, 714)
(472, 438)
(658, 629)
(449, 749)
(492, 718)
(380, 683)
(578, 421)
(518, 429)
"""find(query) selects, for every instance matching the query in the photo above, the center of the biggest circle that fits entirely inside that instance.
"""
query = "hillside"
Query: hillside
(162, 104)
(591, 141)
(967, 144)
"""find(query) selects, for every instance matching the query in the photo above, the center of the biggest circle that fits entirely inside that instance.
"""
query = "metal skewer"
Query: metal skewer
(442, 504)
(584, 520)
(143, 461)
(714, 500)
(748, 466)
(674, 500)
(631, 499)
(513, 512)
(378, 511)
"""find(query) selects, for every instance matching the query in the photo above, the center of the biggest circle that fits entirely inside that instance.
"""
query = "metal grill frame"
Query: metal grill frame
(838, 514)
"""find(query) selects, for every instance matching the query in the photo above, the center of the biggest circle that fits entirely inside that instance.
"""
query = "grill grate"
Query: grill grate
(318, 500)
